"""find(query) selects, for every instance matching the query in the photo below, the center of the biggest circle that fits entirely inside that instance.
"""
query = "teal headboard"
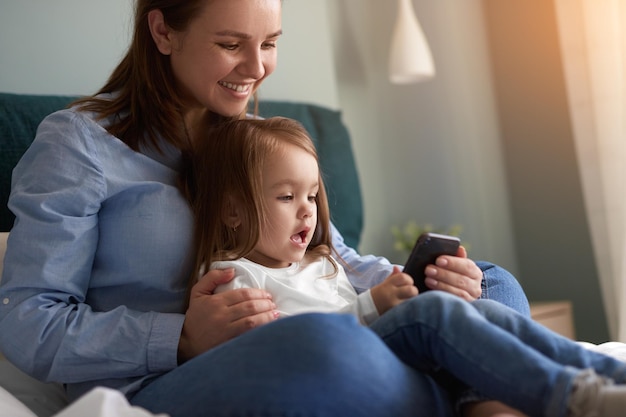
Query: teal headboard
(20, 115)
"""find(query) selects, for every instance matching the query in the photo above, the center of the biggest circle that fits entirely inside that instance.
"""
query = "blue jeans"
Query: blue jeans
(310, 365)
(314, 365)
(501, 353)
(499, 285)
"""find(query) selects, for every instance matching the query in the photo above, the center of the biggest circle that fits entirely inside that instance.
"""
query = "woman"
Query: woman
(94, 286)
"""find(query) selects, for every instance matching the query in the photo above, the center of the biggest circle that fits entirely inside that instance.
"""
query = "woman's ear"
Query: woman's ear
(231, 214)
(161, 33)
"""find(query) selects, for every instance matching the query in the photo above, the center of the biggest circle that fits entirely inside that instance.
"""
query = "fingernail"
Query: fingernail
(431, 282)
(276, 314)
(431, 271)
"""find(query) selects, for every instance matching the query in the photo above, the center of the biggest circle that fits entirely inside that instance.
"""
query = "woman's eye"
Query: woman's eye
(269, 45)
(228, 46)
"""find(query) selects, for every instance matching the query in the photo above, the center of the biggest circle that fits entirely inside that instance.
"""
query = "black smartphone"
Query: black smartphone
(428, 247)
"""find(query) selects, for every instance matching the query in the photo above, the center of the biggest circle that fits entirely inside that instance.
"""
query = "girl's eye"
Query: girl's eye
(312, 198)
(285, 197)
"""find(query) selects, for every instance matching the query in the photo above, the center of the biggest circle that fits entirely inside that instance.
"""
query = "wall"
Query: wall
(552, 234)
(71, 46)
(430, 151)
(486, 144)
(61, 46)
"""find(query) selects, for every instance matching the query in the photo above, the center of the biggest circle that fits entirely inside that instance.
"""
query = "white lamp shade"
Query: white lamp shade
(410, 58)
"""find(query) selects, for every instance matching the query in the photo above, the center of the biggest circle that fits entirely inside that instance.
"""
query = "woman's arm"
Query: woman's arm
(79, 301)
(363, 271)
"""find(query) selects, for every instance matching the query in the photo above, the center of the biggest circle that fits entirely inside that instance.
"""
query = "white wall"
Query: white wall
(61, 46)
(71, 47)
(427, 152)
(306, 66)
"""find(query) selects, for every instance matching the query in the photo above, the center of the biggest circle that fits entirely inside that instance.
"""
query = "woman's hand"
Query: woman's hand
(457, 275)
(395, 289)
(212, 319)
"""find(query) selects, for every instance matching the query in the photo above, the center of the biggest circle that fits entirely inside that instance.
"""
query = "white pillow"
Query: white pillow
(11, 407)
(104, 402)
(43, 399)
(614, 349)
(3, 248)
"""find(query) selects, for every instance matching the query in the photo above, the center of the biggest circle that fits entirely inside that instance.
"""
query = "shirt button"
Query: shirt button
(5, 301)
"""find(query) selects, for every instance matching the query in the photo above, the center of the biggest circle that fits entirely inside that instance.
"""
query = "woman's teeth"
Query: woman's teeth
(240, 88)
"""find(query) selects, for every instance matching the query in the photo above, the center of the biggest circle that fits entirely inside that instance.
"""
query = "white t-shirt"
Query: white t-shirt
(303, 288)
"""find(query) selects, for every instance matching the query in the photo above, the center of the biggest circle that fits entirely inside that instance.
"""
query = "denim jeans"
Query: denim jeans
(311, 365)
(499, 285)
(317, 365)
(502, 353)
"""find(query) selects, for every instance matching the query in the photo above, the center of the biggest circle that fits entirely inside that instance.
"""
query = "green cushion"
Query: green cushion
(19, 117)
(20, 114)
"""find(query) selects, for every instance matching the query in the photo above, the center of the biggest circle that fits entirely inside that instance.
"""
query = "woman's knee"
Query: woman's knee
(500, 285)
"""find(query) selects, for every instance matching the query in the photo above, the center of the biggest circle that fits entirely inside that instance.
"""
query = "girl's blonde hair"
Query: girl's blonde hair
(227, 165)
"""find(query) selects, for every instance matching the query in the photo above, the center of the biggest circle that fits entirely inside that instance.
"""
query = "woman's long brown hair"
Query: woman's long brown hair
(146, 106)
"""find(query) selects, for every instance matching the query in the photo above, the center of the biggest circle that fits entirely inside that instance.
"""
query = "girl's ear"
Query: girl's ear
(161, 33)
(231, 214)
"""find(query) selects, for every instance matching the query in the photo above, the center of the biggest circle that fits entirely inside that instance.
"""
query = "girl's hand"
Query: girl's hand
(212, 319)
(455, 274)
(395, 289)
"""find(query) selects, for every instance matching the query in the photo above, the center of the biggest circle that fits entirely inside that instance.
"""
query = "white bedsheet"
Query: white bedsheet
(99, 402)
(615, 349)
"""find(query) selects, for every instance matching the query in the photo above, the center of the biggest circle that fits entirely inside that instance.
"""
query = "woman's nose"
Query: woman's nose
(253, 65)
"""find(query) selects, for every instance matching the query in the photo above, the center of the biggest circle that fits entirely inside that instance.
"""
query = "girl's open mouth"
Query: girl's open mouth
(300, 237)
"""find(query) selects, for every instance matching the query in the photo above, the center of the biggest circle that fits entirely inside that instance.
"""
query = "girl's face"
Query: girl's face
(226, 53)
(290, 185)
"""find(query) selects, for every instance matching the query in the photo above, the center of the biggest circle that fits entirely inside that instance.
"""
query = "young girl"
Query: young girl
(261, 178)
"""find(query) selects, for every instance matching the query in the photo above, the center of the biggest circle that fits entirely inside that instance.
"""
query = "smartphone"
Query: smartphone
(428, 247)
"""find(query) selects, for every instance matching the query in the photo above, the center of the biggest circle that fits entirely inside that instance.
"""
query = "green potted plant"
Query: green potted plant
(405, 236)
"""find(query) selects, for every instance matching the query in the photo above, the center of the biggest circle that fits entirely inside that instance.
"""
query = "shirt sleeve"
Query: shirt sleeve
(364, 271)
(364, 308)
(244, 277)
(47, 327)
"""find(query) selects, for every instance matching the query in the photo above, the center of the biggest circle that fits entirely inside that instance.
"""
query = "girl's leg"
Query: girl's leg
(551, 344)
(437, 330)
(499, 285)
(306, 365)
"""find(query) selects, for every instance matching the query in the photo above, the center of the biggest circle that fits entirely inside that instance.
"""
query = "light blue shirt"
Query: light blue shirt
(94, 284)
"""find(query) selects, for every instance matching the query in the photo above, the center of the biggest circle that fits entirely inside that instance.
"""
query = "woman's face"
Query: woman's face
(226, 53)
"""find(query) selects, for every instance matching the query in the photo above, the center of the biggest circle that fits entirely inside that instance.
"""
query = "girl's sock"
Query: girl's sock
(596, 396)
